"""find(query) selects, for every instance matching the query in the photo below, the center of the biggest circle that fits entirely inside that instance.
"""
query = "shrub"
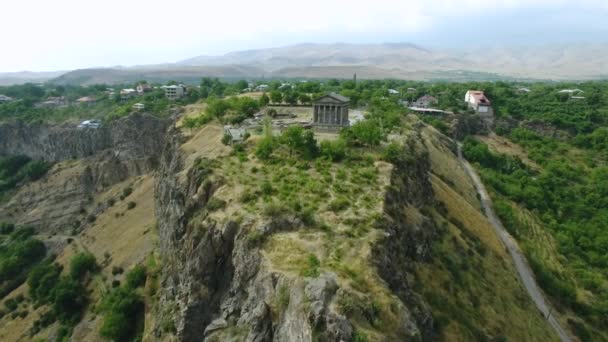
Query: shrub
(115, 283)
(69, 298)
(117, 270)
(11, 304)
(312, 267)
(339, 204)
(127, 191)
(91, 218)
(82, 263)
(111, 202)
(121, 308)
(266, 188)
(215, 204)
(6, 228)
(131, 205)
(136, 277)
(334, 150)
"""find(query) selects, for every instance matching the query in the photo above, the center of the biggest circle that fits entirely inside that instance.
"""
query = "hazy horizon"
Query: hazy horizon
(64, 35)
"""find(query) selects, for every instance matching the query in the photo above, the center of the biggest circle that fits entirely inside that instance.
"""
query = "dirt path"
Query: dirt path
(521, 264)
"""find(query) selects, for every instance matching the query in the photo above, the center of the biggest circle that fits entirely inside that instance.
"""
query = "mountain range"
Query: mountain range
(577, 61)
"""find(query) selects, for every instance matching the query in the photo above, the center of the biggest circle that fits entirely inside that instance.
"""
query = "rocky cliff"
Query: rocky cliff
(137, 136)
(218, 284)
(87, 161)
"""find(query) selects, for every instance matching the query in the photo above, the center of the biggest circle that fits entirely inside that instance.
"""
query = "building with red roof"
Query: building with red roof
(477, 100)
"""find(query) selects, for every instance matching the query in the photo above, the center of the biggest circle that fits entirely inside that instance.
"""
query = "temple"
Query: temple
(330, 112)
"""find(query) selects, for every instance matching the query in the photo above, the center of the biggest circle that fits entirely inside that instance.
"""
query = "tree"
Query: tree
(367, 132)
(240, 85)
(264, 100)
(82, 263)
(304, 99)
(276, 96)
(265, 147)
(293, 138)
(291, 98)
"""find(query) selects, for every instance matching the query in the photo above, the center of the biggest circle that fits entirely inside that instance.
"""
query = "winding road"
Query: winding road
(521, 264)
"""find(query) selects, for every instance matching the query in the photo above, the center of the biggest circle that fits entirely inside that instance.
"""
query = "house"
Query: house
(427, 101)
(125, 94)
(53, 102)
(393, 92)
(570, 91)
(411, 90)
(143, 88)
(286, 86)
(262, 87)
(4, 99)
(236, 134)
(330, 112)
(88, 101)
(94, 124)
(175, 92)
(477, 100)
(139, 106)
(523, 90)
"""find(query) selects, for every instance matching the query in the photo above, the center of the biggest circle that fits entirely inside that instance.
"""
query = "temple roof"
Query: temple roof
(332, 98)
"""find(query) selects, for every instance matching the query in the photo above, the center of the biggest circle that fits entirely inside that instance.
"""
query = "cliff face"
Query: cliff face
(87, 161)
(409, 230)
(133, 137)
(214, 286)
(217, 284)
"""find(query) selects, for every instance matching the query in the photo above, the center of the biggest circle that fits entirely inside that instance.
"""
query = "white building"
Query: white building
(570, 91)
(4, 98)
(94, 124)
(393, 92)
(139, 106)
(477, 100)
(174, 92)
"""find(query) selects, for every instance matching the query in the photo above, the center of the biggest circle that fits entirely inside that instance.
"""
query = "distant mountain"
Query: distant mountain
(186, 74)
(581, 61)
(388, 60)
(8, 78)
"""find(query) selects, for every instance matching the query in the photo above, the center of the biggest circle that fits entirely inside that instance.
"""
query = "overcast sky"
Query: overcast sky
(68, 34)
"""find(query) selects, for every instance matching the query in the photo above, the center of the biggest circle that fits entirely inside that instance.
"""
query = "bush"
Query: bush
(82, 263)
(11, 304)
(69, 299)
(6, 228)
(131, 205)
(215, 204)
(312, 267)
(136, 277)
(339, 204)
(121, 308)
(117, 270)
(126, 192)
(334, 150)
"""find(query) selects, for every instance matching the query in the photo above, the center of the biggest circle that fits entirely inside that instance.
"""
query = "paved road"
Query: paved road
(521, 264)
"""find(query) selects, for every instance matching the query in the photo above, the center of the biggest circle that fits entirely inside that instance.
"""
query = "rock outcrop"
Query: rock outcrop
(216, 285)
(87, 161)
(409, 232)
(136, 136)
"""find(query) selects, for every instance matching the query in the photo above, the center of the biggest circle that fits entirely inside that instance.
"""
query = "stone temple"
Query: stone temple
(330, 112)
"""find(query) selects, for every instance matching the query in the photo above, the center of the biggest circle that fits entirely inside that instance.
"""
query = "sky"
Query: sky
(42, 35)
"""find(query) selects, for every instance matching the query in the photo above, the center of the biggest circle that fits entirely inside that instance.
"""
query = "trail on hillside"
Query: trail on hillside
(521, 264)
